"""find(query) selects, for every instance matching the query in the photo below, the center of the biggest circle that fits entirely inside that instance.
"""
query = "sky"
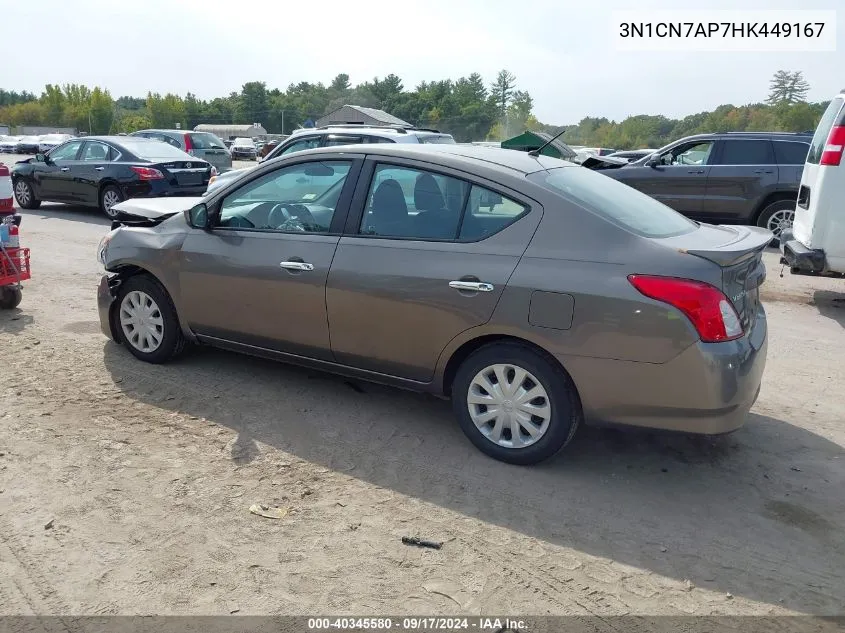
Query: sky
(562, 52)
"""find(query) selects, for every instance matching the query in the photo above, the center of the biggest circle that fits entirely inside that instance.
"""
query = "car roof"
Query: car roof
(750, 135)
(509, 160)
(158, 129)
(374, 130)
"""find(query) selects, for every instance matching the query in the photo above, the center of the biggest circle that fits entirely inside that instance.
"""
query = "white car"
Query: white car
(339, 134)
(8, 144)
(49, 141)
(816, 242)
(243, 148)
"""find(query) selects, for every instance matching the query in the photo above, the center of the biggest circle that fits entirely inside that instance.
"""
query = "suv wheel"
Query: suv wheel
(514, 404)
(776, 217)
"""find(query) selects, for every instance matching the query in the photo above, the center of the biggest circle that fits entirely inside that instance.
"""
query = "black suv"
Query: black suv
(726, 178)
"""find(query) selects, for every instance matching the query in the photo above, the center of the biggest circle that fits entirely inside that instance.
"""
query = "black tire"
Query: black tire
(561, 393)
(172, 340)
(10, 297)
(25, 195)
(766, 215)
(107, 194)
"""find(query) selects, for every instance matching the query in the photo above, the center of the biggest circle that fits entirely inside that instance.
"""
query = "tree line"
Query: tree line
(468, 108)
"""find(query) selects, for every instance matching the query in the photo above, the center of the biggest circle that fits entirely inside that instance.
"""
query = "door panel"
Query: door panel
(234, 287)
(89, 170)
(744, 171)
(54, 181)
(392, 302)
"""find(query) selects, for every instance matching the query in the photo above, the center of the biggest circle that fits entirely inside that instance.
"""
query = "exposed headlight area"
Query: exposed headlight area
(102, 247)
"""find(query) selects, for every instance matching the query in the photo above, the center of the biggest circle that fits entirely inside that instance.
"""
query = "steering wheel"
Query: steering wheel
(290, 217)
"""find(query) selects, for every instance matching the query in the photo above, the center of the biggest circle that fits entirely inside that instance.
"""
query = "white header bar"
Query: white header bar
(732, 31)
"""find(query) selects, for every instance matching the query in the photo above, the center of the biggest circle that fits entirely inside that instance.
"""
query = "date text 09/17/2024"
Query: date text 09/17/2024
(418, 623)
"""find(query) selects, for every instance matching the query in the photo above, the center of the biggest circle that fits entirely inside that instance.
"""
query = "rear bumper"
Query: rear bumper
(707, 389)
(799, 258)
(159, 189)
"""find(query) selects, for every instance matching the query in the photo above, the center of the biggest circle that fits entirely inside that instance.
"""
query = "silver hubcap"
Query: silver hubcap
(141, 321)
(509, 406)
(110, 198)
(22, 193)
(780, 220)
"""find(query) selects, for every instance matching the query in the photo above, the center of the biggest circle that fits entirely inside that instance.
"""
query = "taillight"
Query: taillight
(148, 173)
(832, 152)
(706, 306)
(189, 145)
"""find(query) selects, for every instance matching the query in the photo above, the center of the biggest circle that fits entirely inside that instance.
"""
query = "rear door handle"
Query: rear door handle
(65, 168)
(472, 286)
(296, 266)
(763, 171)
(695, 171)
(99, 168)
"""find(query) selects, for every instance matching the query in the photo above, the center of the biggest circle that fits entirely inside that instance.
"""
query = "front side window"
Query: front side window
(615, 201)
(791, 152)
(295, 198)
(94, 151)
(747, 152)
(298, 146)
(65, 152)
(688, 154)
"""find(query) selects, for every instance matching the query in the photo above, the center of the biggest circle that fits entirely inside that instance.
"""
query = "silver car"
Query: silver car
(202, 145)
(534, 293)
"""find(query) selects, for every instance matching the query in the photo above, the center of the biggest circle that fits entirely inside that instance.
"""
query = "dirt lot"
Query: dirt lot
(125, 487)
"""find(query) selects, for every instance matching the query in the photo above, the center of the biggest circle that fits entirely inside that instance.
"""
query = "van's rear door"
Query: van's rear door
(821, 195)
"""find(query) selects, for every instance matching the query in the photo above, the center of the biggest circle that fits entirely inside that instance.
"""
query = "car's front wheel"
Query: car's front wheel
(110, 196)
(777, 217)
(146, 320)
(515, 404)
(25, 195)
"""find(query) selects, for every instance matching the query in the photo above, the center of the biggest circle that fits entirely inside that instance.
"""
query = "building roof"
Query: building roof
(378, 115)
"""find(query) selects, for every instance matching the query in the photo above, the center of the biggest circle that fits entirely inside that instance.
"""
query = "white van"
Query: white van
(816, 242)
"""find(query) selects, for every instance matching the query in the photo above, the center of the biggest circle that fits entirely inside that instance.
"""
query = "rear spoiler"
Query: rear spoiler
(749, 241)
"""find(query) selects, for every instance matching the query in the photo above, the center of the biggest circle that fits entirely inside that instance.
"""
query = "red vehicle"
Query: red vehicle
(14, 260)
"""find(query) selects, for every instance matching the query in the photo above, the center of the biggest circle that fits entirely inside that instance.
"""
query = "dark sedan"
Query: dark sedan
(100, 171)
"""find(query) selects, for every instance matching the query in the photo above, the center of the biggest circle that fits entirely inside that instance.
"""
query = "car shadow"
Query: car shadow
(831, 305)
(74, 213)
(752, 513)
(14, 321)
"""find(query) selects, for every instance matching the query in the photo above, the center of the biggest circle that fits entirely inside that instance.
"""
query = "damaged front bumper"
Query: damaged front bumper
(106, 294)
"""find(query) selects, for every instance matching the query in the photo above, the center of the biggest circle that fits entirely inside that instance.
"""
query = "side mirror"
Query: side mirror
(653, 161)
(197, 217)
(41, 158)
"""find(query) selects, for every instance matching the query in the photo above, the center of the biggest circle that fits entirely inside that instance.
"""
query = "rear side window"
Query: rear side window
(614, 201)
(333, 141)
(828, 120)
(791, 153)
(379, 139)
(441, 139)
(154, 151)
(204, 140)
(746, 152)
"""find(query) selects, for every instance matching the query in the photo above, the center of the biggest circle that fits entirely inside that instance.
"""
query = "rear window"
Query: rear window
(154, 150)
(791, 153)
(827, 122)
(204, 140)
(444, 139)
(622, 205)
(746, 152)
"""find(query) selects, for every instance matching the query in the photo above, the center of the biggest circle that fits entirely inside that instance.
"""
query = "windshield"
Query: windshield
(154, 150)
(614, 201)
(205, 140)
(827, 122)
(444, 139)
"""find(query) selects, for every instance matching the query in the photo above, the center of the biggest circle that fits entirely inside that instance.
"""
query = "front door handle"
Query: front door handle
(296, 266)
(99, 168)
(695, 171)
(65, 168)
(763, 171)
(471, 286)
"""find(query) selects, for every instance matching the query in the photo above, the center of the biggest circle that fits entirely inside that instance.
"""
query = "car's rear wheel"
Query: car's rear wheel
(10, 297)
(110, 196)
(777, 217)
(25, 195)
(515, 404)
(146, 320)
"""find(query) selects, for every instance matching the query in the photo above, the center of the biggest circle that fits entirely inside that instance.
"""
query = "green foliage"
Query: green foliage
(465, 108)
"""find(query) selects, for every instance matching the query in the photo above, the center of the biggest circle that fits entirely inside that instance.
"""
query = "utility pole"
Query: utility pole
(283, 121)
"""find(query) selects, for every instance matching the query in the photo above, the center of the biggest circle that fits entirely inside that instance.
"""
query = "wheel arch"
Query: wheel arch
(775, 196)
(468, 347)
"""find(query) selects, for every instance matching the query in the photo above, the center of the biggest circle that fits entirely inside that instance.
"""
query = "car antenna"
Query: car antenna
(536, 152)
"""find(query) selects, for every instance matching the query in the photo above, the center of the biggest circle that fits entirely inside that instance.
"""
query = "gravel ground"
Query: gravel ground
(125, 487)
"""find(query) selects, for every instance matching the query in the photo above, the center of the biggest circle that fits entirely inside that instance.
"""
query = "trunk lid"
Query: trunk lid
(186, 174)
(738, 251)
